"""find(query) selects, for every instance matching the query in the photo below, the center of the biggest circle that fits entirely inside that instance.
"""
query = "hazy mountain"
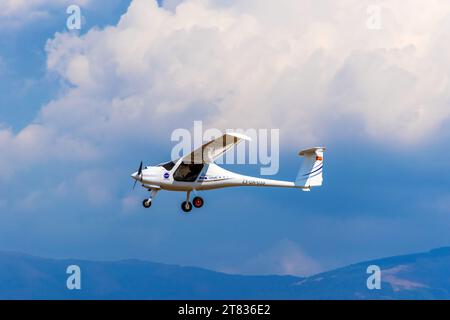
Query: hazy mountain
(26, 277)
(416, 276)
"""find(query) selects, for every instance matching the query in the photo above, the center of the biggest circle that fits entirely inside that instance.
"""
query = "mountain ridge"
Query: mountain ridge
(413, 276)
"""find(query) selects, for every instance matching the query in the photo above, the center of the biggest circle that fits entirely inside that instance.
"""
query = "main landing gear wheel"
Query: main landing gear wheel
(198, 202)
(147, 203)
(186, 206)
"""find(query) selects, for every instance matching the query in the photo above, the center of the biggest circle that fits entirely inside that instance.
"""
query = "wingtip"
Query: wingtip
(239, 135)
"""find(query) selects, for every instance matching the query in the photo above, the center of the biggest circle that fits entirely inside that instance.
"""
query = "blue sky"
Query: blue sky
(79, 111)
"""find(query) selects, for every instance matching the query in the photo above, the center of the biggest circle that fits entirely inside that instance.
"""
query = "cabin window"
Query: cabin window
(188, 172)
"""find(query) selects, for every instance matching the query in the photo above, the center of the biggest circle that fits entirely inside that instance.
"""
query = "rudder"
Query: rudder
(310, 173)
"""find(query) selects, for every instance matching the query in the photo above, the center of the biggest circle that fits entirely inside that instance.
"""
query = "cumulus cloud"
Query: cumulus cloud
(308, 67)
(294, 65)
(35, 145)
(284, 258)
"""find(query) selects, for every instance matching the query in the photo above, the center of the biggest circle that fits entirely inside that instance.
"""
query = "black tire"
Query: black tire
(186, 206)
(198, 202)
(147, 203)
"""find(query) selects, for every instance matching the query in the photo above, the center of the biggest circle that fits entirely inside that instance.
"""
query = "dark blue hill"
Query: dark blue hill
(415, 276)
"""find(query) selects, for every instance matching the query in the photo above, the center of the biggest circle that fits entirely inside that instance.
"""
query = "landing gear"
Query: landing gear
(147, 203)
(186, 206)
(198, 202)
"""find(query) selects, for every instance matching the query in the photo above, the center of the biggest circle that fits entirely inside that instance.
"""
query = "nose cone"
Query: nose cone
(135, 176)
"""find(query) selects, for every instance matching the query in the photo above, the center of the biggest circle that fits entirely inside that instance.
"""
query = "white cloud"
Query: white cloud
(284, 258)
(36, 144)
(308, 67)
(294, 65)
(130, 203)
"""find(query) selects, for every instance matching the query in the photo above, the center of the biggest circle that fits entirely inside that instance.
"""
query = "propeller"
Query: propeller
(139, 175)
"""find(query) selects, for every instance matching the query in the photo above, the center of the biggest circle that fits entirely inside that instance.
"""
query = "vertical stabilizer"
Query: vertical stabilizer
(310, 174)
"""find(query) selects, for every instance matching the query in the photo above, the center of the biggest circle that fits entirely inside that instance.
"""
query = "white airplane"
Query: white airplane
(197, 171)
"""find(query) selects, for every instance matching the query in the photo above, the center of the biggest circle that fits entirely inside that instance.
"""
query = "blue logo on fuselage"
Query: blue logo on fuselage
(166, 175)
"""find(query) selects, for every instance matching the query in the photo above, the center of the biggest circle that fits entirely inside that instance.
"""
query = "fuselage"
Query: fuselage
(181, 177)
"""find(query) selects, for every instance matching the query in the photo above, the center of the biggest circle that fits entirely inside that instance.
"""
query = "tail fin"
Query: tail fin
(310, 173)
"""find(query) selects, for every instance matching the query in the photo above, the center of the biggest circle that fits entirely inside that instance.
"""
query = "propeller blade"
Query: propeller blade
(139, 175)
(140, 170)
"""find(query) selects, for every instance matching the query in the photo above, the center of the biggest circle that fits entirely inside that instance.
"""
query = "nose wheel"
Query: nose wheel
(147, 203)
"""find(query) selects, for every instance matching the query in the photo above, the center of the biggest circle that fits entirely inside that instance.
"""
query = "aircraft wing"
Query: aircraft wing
(213, 149)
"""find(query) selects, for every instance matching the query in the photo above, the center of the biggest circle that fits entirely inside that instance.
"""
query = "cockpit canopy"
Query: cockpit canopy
(185, 171)
(168, 165)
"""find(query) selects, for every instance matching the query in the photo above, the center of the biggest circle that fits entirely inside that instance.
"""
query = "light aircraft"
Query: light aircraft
(197, 171)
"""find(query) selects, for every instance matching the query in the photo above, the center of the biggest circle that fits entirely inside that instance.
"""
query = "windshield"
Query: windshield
(168, 166)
